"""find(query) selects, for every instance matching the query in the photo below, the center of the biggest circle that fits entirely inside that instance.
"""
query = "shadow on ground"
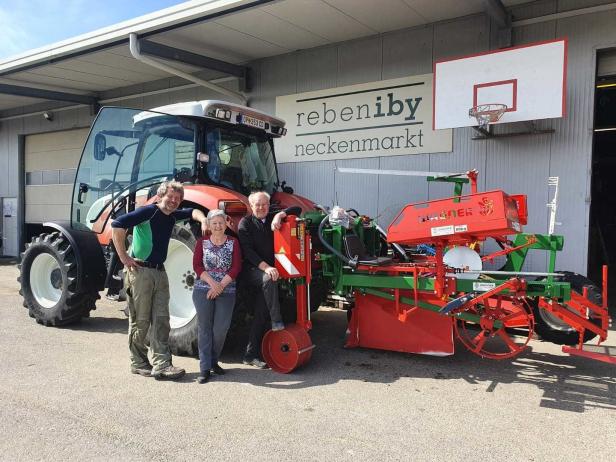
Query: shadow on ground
(105, 325)
(568, 383)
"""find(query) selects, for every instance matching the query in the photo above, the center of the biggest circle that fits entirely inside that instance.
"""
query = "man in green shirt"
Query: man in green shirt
(147, 285)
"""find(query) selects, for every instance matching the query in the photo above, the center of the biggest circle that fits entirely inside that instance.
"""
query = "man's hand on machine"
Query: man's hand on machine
(277, 221)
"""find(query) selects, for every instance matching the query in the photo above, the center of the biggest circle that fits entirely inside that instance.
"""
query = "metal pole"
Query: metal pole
(513, 273)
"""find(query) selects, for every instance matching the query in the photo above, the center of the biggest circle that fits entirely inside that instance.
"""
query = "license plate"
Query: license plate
(253, 122)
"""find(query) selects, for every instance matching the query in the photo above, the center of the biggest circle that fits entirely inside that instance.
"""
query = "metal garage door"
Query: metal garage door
(51, 161)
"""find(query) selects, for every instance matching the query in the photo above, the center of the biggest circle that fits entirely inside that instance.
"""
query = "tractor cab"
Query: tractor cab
(130, 151)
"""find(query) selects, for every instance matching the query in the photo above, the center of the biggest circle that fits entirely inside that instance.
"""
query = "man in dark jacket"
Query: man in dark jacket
(257, 242)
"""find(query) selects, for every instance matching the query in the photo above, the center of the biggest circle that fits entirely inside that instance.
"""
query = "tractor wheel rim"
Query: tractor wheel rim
(554, 322)
(46, 280)
(181, 281)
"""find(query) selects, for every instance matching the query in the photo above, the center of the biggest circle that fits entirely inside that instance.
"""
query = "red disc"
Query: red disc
(287, 349)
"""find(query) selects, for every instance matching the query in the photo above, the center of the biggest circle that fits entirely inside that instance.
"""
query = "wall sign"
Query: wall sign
(384, 118)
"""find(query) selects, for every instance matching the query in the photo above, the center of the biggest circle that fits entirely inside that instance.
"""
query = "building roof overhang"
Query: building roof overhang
(226, 31)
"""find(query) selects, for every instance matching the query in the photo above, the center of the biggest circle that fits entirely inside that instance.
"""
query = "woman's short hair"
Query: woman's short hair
(216, 213)
(173, 185)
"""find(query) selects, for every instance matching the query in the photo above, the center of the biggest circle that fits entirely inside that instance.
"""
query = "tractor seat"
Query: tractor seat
(354, 248)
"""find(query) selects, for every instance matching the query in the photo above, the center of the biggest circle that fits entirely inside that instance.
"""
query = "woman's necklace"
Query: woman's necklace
(219, 240)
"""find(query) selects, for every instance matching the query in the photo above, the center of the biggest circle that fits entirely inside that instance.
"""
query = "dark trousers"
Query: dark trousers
(266, 309)
(213, 321)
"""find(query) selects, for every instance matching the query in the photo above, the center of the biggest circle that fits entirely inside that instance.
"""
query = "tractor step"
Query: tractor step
(607, 354)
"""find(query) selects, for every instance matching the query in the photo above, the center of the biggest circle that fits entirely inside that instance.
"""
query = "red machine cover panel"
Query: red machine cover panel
(375, 324)
(457, 220)
(289, 248)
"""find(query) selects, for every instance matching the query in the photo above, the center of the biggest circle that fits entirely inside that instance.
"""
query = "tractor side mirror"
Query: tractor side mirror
(100, 146)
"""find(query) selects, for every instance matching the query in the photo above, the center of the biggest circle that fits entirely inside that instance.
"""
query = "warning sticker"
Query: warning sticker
(286, 264)
(483, 286)
(441, 230)
(282, 251)
(460, 229)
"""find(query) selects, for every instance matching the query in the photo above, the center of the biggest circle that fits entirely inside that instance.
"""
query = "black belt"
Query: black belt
(147, 264)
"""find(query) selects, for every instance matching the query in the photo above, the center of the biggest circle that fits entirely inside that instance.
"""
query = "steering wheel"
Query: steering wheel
(124, 189)
(183, 175)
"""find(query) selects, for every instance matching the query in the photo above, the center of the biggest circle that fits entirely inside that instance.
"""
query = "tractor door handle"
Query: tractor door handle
(83, 188)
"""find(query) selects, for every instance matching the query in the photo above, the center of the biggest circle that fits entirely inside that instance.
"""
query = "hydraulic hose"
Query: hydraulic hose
(349, 261)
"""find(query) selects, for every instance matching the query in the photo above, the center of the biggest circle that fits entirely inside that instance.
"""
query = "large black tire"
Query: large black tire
(183, 335)
(48, 277)
(553, 329)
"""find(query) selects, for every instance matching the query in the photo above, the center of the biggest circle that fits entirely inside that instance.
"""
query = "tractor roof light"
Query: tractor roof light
(276, 130)
(224, 114)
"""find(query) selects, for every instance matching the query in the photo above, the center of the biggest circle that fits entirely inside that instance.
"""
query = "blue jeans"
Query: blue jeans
(213, 321)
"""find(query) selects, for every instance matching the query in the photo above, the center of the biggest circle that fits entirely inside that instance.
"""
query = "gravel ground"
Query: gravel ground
(67, 394)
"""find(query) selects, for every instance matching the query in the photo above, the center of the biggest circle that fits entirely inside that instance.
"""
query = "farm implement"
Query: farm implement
(421, 285)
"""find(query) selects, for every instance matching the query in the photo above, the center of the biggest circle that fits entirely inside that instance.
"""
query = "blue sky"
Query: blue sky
(27, 24)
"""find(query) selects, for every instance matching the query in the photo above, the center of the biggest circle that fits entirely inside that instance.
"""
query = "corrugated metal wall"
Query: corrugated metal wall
(516, 164)
(519, 164)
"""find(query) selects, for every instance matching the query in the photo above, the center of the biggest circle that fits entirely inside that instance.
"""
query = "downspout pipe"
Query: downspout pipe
(134, 50)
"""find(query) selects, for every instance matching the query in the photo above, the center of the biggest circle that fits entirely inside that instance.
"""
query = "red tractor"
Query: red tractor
(220, 151)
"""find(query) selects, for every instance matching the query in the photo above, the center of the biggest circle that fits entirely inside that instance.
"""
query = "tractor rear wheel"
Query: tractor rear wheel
(554, 329)
(48, 277)
(182, 313)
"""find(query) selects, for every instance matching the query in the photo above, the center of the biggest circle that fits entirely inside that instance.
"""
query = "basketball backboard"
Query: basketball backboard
(530, 79)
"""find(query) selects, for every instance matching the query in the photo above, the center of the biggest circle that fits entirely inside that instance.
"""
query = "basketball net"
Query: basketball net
(487, 114)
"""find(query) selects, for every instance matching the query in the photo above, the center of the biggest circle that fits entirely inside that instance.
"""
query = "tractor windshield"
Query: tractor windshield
(240, 161)
(127, 154)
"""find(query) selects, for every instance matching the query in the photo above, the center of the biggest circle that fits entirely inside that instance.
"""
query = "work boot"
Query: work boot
(168, 373)
(145, 371)
(204, 377)
(256, 362)
(217, 369)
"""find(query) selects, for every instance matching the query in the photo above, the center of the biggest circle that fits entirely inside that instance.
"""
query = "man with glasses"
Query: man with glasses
(257, 243)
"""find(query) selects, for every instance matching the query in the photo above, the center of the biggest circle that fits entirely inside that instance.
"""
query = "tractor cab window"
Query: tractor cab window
(168, 151)
(240, 161)
(128, 152)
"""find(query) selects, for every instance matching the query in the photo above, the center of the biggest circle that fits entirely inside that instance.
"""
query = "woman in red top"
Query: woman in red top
(217, 261)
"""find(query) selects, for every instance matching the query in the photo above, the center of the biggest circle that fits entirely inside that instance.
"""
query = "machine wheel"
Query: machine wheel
(286, 350)
(554, 329)
(504, 340)
(183, 316)
(48, 277)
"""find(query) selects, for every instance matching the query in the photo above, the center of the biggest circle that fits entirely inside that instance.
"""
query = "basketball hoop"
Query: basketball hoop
(487, 113)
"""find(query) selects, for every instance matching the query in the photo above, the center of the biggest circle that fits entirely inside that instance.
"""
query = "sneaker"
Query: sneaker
(204, 377)
(145, 371)
(256, 362)
(168, 373)
(277, 326)
(217, 369)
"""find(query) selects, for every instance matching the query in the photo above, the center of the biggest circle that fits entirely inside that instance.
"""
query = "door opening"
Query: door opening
(602, 232)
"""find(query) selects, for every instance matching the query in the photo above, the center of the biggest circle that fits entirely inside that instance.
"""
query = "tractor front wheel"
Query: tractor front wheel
(48, 277)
